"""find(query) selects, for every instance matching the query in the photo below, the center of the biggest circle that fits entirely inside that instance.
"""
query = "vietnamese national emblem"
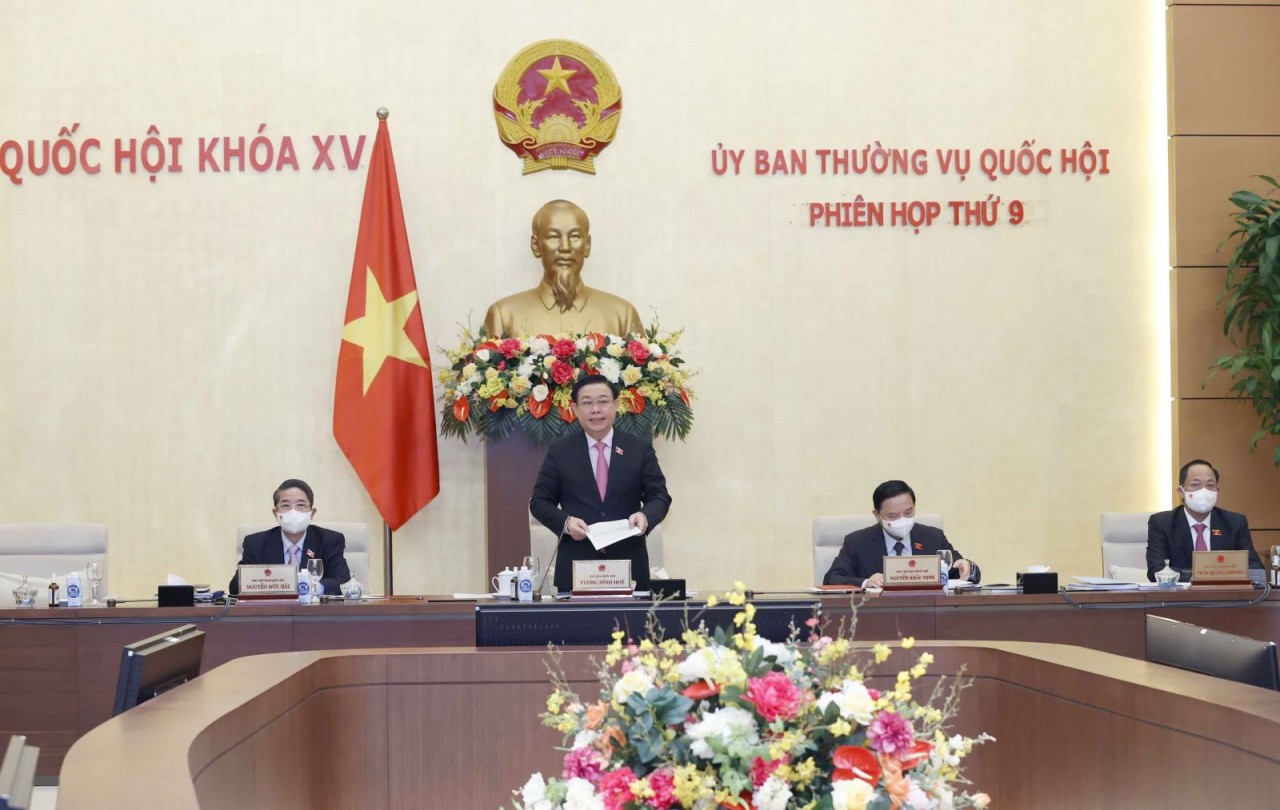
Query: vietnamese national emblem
(557, 106)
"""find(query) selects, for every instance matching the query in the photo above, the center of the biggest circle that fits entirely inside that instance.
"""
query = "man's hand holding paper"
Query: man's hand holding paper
(607, 532)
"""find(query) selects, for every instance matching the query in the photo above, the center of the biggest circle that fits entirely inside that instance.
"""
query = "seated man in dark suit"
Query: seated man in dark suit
(295, 540)
(1170, 534)
(896, 533)
(599, 475)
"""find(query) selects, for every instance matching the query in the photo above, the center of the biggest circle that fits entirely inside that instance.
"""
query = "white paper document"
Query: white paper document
(608, 532)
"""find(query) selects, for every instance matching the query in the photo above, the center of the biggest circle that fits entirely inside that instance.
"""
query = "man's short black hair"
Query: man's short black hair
(891, 489)
(1182, 474)
(593, 379)
(293, 483)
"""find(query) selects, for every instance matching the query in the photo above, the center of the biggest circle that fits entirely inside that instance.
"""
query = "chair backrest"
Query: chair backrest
(1124, 544)
(829, 532)
(542, 544)
(356, 534)
(37, 550)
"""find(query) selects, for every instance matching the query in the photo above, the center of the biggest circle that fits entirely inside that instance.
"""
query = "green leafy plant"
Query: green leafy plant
(1252, 304)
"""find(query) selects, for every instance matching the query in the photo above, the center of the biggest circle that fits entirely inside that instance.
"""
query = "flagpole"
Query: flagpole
(386, 557)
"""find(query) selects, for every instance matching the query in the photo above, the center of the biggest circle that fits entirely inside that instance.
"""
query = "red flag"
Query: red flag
(383, 405)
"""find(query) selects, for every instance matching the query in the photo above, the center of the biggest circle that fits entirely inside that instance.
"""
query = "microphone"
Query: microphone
(542, 582)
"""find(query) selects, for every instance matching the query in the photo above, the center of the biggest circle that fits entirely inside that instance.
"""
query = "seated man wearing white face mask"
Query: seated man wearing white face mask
(1198, 525)
(295, 540)
(896, 533)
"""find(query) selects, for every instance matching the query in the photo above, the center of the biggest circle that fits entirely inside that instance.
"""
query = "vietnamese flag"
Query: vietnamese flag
(383, 405)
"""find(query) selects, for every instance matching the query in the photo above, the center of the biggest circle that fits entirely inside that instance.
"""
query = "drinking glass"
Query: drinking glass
(93, 572)
(531, 563)
(315, 570)
(944, 555)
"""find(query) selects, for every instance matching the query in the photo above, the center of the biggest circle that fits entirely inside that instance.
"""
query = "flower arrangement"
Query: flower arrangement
(495, 386)
(713, 720)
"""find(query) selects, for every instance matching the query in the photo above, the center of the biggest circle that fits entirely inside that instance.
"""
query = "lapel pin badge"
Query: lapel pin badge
(310, 553)
(1215, 532)
(617, 450)
(919, 546)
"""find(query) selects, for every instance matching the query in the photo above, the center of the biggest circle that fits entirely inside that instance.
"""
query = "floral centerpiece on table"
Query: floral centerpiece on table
(494, 387)
(712, 720)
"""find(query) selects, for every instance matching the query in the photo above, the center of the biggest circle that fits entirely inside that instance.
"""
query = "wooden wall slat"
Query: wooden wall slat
(1198, 338)
(1218, 60)
(1219, 430)
(1204, 173)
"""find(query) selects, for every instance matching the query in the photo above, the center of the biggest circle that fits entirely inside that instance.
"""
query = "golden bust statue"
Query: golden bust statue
(561, 304)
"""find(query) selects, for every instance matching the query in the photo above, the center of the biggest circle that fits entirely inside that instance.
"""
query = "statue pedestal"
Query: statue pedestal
(510, 469)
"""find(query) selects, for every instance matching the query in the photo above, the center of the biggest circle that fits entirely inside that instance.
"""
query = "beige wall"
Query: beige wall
(169, 348)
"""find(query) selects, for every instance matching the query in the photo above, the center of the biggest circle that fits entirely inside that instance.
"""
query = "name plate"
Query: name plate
(602, 578)
(268, 581)
(916, 573)
(1220, 567)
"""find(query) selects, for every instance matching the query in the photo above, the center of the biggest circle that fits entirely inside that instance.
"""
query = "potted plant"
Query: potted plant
(1252, 305)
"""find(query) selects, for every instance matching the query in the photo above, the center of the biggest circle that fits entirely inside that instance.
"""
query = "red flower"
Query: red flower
(761, 770)
(539, 409)
(855, 762)
(685, 396)
(510, 347)
(561, 372)
(496, 402)
(701, 690)
(502, 365)
(564, 349)
(919, 752)
(639, 352)
(636, 402)
(461, 409)
(615, 788)
(774, 696)
(596, 341)
(663, 782)
(567, 415)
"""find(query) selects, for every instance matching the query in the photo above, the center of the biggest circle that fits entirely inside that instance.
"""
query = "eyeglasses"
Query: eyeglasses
(592, 404)
(297, 507)
(1193, 486)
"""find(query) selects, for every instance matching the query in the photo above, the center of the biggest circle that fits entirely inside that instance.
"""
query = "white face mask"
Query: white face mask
(1200, 500)
(899, 528)
(295, 522)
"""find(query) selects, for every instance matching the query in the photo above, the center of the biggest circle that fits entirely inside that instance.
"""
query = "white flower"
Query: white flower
(483, 355)
(468, 371)
(534, 793)
(851, 794)
(655, 350)
(611, 369)
(525, 369)
(541, 392)
(616, 340)
(549, 361)
(700, 664)
(539, 346)
(635, 682)
(631, 375)
(981, 800)
(781, 653)
(854, 701)
(582, 796)
(772, 795)
(614, 349)
(584, 738)
(580, 344)
(917, 799)
(727, 725)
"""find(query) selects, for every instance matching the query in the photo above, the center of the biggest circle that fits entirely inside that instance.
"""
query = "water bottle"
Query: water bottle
(304, 588)
(74, 594)
(524, 584)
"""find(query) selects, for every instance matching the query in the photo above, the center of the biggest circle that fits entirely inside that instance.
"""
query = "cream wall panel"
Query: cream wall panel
(1217, 56)
(1204, 174)
(170, 347)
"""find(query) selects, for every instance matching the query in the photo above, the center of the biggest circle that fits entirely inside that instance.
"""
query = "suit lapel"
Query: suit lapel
(273, 554)
(1182, 533)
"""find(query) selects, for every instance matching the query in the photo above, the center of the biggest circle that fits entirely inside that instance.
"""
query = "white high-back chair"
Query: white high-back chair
(37, 550)
(1124, 545)
(829, 532)
(357, 553)
(542, 544)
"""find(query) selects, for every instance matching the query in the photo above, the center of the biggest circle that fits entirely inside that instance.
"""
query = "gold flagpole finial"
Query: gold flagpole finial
(383, 113)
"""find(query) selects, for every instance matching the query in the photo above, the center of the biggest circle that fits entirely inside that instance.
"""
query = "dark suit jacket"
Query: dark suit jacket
(566, 486)
(863, 554)
(267, 548)
(1169, 538)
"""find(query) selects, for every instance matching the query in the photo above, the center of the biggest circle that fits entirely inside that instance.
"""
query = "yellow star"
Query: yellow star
(557, 76)
(380, 331)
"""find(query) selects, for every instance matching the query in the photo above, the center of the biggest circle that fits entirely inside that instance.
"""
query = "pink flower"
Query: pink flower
(874, 693)
(584, 763)
(615, 788)
(564, 349)
(509, 347)
(890, 733)
(561, 372)
(774, 696)
(761, 770)
(639, 352)
(663, 782)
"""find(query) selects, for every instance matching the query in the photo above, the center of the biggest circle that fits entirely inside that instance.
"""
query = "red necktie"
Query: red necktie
(1200, 544)
(602, 470)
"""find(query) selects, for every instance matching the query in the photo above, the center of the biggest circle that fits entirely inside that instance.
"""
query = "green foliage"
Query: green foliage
(1251, 302)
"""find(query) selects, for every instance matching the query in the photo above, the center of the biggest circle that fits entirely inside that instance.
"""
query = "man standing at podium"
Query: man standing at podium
(1198, 525)
(895, 534)
(599, 475)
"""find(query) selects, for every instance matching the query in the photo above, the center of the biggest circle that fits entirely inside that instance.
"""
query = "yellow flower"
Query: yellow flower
(882, 653)
(491, 373)
(712, 601)
(614, 349)
(646, 645)
(805, 771)
(468, 370)
(520, 385)
(926, 659)
(548, 361)
(671, 647)
(908, 642)
(641, 789)
(631, 375)
(554, 702)
(918, 671)
(840, 728)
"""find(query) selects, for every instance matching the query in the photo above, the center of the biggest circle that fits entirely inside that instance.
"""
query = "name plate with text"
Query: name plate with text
(1220, 567)
(268, 581)
(916, 573)
(602, 578)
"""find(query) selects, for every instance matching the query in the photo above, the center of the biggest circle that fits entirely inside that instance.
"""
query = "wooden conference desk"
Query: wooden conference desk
(58, 667)
(458, 728)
